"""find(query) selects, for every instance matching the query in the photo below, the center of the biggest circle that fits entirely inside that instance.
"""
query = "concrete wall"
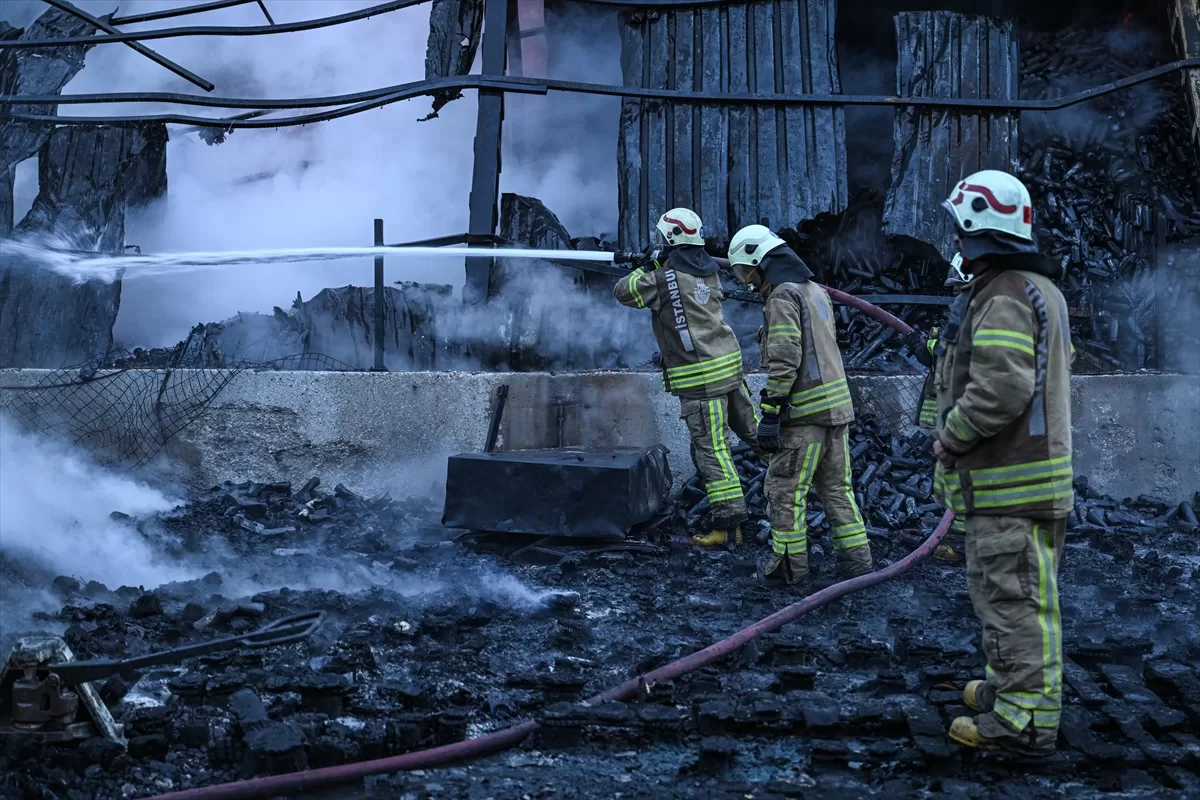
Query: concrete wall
(392, 431)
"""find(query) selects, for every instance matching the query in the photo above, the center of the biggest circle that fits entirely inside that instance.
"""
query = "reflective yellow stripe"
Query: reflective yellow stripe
(633, 290)
(795, 541)
(1015, 716)
(777, 386)
(959, 426)
(753, 408)
(815, 406)
(800, 397)
(708, 377)
(784, 331)
(1015, 473)
(705, 366)
(716, 421)
(1049, 621)
(852, 534)
(997, 337)
(1048, 491)
(928, 416)
(929, 345)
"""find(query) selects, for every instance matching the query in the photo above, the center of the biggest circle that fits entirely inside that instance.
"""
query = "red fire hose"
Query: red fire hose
(492, 743)
(869, 309)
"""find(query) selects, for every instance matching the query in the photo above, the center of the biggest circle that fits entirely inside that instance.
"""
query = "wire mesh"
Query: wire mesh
(123, 412)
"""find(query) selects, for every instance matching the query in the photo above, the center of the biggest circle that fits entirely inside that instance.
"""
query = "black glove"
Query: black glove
(768, 433)
(916, 343)
(648, 260)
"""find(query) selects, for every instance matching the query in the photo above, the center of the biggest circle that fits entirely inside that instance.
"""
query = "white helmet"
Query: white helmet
(751, 244)
(992, 200)
(680, 226)
(956, 276)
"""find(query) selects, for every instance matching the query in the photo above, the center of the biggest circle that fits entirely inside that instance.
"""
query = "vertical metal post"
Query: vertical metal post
(379, 367)
(485, 179)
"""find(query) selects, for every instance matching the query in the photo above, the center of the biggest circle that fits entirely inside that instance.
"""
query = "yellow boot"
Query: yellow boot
(717, 538)
(720, 538)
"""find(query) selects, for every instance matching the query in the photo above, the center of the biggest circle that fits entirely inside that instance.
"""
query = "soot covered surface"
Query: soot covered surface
(429, 642)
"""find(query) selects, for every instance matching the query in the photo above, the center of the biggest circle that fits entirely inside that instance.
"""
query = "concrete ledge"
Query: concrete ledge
(1134, 434)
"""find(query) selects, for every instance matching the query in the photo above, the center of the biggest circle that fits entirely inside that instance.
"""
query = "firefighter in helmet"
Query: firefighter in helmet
(1003, 443)
(701, 361)
(806, 408)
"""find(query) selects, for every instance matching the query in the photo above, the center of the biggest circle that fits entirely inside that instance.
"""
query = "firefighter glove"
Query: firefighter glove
(768, 429)
(916, 343)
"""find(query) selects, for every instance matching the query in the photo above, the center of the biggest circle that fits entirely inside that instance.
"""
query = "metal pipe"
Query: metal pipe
(266, 13)
(311, 780)
(379, 327)
(168, 13)
(214, 30)
(108, 27)
(509, 83)
(493, 434)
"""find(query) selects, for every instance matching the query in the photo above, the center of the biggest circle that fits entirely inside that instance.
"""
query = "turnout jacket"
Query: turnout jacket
(1002, 379)
(806, 382)
(701, 356)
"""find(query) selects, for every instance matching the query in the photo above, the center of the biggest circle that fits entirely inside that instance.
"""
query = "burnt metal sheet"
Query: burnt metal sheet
(734, 164)
(590, 493)
(943, 54)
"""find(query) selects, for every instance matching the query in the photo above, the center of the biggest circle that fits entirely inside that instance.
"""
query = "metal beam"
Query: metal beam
(485, 176)
(266, 13)
(182, 72)
(168, 13)
(379, 301)
(216, 30)
(510, 83)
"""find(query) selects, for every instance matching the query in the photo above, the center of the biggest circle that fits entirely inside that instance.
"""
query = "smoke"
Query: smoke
(54, 513)
(324, 184)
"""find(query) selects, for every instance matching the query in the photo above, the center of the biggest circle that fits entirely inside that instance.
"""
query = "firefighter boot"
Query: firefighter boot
(786, 570)
(719, 537)
(966, 732)
(978, 696)
(854, 561)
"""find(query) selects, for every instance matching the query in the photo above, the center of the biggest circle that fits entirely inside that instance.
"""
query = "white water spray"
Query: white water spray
(83, 266)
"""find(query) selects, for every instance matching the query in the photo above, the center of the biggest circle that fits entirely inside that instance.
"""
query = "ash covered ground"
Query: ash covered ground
(430, 640)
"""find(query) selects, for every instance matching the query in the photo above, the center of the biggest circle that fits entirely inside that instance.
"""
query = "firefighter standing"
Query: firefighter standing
(951, 550)
(806, 408)
(1003, 442)
(701, 360)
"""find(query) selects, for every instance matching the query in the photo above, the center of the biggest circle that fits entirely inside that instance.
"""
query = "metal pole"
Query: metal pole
(379, 367)
(485, 179)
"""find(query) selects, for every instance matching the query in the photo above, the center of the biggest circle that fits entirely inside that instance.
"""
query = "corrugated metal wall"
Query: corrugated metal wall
(947, 55)
(735, 165)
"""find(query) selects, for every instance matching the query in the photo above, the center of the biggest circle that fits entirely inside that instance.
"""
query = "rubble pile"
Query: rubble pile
(427, 643)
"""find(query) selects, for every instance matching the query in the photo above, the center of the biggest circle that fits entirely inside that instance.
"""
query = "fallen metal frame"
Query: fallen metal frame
(108, 27)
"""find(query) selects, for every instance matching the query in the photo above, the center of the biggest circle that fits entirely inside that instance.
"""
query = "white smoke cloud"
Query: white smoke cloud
(322, 184)
(54, 513)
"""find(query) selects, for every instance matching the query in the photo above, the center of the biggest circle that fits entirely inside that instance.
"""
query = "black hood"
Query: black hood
(690, 258)
(782, 265)
(1032, 262)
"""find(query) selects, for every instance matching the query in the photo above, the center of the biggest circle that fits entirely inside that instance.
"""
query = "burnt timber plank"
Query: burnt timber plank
(714, 130)
(942, 54)
(629, 143)
(1185, 30)
(658, 57)
(684, 51)
(746, 164)
(740, 199)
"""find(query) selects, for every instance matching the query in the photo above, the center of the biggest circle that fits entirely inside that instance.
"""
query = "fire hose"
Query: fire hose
(492, 743)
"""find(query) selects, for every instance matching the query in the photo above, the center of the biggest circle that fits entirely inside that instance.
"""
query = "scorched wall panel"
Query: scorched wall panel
(942, 54)
(735, 165)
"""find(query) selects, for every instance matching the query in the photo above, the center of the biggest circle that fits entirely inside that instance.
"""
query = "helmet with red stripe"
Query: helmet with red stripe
(992, 201)
(680, 226)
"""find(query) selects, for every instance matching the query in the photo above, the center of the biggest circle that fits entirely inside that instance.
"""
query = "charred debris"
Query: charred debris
(428, 641)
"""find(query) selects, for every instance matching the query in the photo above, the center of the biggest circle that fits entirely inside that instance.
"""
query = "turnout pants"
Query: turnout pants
(814, 456)
(708, 420)
(1012, 571)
